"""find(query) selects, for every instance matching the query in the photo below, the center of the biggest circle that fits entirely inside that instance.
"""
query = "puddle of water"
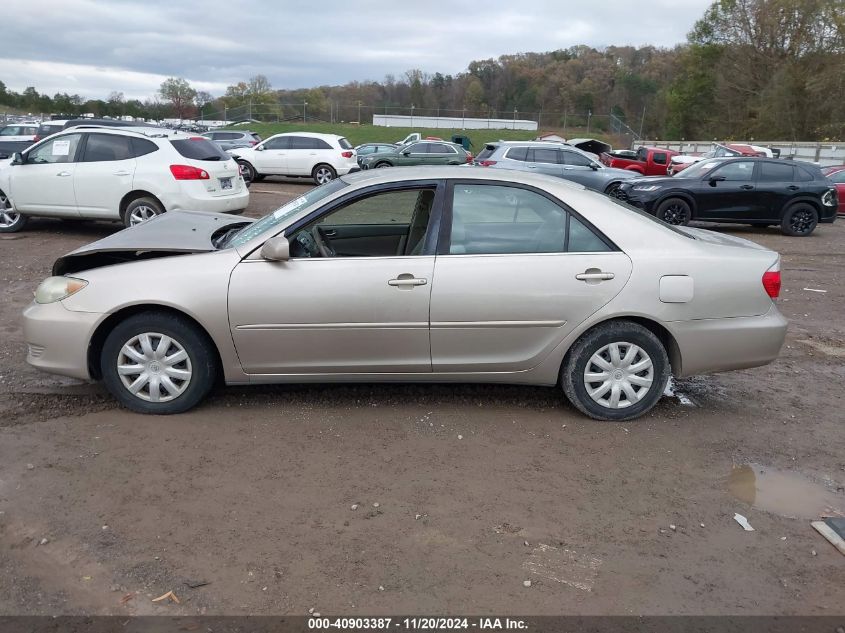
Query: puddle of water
(784, 493)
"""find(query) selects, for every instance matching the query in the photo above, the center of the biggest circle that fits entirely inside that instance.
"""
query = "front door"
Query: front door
(272, 158)
(43, 184)
(729, 192)
(354, 296)
(578, 168)
(518, 274)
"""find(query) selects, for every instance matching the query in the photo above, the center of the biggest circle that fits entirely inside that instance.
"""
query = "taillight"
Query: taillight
(36, 139)
(486, 163)
(188, 172)
(253, 142)
(771, 282)
(346, 154)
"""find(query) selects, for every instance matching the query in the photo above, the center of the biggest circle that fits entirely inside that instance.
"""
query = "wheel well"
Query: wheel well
(134, 195)
(383, 162)
(813, 203)
(318, 165)
(95, 347)
(673, 351)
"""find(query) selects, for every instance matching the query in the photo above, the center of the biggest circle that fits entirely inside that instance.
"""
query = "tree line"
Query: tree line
(764, 69)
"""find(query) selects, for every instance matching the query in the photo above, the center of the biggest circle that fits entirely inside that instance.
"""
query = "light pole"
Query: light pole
(359, 112)
(412, 114)
(304, 105)
(464, 118)
(589, 116)
(515, 111)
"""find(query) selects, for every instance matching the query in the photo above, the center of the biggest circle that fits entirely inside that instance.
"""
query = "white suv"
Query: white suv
(322, 157)
(127, 174)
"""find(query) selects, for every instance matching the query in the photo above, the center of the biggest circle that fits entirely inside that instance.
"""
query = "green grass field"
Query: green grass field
(357, 134)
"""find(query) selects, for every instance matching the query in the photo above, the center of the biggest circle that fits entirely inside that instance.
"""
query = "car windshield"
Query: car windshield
(282, 213)
(697, 170)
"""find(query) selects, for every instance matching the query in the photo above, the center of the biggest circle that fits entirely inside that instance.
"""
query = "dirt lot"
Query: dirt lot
(478, 488)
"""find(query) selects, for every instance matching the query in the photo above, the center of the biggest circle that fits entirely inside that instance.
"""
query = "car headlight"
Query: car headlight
(57, 288)
(646, 187)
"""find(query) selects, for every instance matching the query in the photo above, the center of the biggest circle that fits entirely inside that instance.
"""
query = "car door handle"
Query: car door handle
(746, 187)
(793, 187)
(597, 276)
(567, 168)
(532, 166)
(63, 173)
(120, 173)
(406, 279)
(330, 233)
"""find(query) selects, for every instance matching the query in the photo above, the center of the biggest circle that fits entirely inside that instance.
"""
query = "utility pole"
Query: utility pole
(304, 105)
(589, 115)
(515, 111)
(359, 112)
(464, 118)
(412, 114)
(642, 122)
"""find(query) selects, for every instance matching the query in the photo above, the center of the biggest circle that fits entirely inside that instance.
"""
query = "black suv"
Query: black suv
(748, 190)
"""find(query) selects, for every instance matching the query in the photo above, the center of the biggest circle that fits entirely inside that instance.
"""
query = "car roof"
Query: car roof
(440, 172)
(148, 132)
(308, 134)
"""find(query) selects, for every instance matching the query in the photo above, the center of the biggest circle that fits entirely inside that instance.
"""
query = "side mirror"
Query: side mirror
(259, 148)
(17, 159)
(716, 179)
(406, 153)
(594, 166)
(276, 249)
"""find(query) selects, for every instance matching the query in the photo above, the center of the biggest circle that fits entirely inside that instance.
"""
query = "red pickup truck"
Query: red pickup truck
(648, 161)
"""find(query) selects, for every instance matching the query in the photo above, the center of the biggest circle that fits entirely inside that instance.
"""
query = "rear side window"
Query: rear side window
(776, 172)
(199, 148)
(300, 142)
(542, 155)
(318, 143)
(441, 148)
(142, 147)
(517, 153)
(106, 147)
(803, 174)
(47, 130)
(344, 143)
(226, 136)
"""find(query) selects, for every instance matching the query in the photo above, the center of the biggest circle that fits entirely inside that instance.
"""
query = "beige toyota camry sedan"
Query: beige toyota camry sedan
(429, 274)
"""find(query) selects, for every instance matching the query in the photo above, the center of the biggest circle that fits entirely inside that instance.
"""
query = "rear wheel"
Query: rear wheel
(323, 174)
(140, 210)
(158, 363)
(675, 211)
(616, 371)
(382, 165)
(10, 220)
(247, 172)
(799, 220)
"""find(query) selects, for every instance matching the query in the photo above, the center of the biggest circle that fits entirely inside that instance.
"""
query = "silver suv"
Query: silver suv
(554, 159)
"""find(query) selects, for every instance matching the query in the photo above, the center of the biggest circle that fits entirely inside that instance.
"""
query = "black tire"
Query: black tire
(612, 188)
(140, 210)
(201, 363)
(10, 220)
(323, 173)
(259, 177)
(675, 211)
(799, 220)
(625, 334)
(247, 172)
(382, 164)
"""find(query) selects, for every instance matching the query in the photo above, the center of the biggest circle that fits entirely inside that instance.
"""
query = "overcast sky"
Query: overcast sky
(92, 47)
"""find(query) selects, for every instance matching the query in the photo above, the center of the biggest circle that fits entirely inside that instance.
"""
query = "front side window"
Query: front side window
(838, 176)
(498, 220)
(390, 223)
(417, 148)
(735, 172)
(364, 151)
(573, 158)
(106, 147)
(281, 142)
(10, 131)
(59, 150)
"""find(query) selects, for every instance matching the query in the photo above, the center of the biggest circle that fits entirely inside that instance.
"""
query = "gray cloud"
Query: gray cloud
(92, 47)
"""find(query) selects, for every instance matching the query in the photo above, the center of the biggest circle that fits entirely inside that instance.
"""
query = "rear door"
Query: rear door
(104, 175)
(44, 183)
(777, 184)
(545, 160)
(302, 155)
(507, 288)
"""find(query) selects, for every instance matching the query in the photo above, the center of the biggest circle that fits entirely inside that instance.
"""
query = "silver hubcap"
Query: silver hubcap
(142, 213)
(324, 175)
(8, 217)
(154, 367)
(619, 375)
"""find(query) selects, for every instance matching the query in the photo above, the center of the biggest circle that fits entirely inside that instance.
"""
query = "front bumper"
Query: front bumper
(714, 345)
(57, 339)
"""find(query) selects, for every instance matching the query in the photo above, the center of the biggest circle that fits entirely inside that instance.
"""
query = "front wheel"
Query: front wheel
(616, 371)
(158, 363)
(247, 172)
(10, 220)
(323, 174)
(675, 211)
(612, 189)
(383, 165)
(799, 220)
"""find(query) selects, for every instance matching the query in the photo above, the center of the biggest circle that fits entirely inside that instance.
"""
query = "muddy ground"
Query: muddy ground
(479, 488)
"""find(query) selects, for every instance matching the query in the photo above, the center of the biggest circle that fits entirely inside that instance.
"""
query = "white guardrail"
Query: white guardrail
(821, 153)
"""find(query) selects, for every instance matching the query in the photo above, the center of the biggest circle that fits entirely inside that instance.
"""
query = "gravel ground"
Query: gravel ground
(432, 499)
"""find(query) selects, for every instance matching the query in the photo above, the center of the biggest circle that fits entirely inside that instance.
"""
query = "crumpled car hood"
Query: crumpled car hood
(174, 233)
